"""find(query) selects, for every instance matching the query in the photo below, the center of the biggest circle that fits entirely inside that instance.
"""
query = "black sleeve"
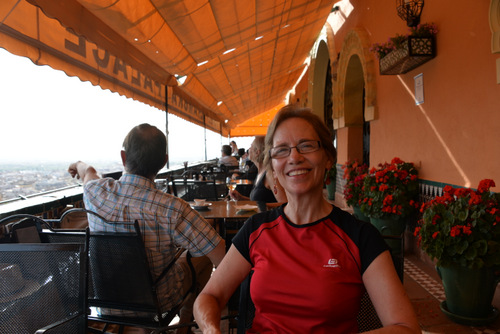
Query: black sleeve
(371, 245)
(366, 236)
(241, 239)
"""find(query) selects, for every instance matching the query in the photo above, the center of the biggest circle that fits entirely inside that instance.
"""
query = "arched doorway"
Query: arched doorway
(354, 97)
(318, 81)
(328, 116)
(354, 106)
(320, 88)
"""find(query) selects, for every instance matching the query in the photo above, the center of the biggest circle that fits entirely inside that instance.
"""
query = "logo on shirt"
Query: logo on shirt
(332, 263)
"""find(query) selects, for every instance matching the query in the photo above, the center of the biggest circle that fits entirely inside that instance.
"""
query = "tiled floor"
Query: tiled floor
(426, 293)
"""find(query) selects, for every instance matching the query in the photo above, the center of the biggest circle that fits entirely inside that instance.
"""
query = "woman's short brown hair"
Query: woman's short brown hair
(291, 111)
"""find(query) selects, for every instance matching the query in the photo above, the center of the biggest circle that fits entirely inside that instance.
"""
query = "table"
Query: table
(228, 219)
(228, 210)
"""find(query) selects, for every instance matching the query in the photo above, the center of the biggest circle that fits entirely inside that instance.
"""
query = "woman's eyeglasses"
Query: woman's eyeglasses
(309, 146)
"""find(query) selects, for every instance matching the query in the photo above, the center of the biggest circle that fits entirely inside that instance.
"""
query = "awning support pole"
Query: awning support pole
(205, 135)
(166, 123)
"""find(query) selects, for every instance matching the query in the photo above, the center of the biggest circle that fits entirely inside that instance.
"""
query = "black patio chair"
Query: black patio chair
(28, 228)
(172, 189)
(192, 189)
(43, 288)
(121, 288)
(23, 228)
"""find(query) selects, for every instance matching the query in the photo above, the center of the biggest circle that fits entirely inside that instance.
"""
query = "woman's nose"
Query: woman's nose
(295, 155)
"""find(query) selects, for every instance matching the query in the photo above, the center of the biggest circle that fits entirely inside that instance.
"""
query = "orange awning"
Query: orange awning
(257, 125)
(239, 58)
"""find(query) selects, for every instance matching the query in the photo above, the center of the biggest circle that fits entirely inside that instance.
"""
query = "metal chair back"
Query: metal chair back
(43, 288)
(189, 189)
(121, 287)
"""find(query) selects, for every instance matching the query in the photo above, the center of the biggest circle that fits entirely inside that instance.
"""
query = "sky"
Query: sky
(46, 116)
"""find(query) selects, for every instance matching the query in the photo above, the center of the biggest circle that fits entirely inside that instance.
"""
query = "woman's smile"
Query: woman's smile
(297, 172)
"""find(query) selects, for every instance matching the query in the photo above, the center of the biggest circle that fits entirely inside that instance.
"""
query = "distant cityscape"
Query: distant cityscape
(22, 180)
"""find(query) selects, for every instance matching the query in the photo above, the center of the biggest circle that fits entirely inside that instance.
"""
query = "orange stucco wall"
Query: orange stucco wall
(454, 136)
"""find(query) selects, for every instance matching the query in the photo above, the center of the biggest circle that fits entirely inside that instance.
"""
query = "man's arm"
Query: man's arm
(83, 171)
(217, 254)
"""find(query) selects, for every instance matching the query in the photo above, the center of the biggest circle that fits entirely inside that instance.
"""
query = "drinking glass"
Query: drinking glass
(231, 185)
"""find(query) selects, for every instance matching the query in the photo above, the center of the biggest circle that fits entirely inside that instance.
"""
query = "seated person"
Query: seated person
(234, 148)
(248, 170)
(241, 153)
(251, 171)
(261, 191)
(166, 221)
(311, 262)
(226, 158)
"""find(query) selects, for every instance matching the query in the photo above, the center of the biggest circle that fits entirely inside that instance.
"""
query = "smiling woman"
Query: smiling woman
(306, 242)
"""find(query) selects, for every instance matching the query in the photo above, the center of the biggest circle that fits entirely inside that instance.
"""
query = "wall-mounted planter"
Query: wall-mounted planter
(413, 53)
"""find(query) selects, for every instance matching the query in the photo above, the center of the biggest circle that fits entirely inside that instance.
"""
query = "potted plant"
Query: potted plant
(354, 172)
(331, 182)
(461, 231)
(402, 53)
(391, 191)
(390, 196)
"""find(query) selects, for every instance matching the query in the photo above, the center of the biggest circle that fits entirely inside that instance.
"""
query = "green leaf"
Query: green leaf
(451, 250)
(481, 246)
(475, 214)
(462, 215)
(462, 246)
(448, 216)
(471, 253)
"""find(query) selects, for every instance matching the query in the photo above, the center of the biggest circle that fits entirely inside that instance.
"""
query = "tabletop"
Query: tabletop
(228, 209)
(228, 216)
(238, 182)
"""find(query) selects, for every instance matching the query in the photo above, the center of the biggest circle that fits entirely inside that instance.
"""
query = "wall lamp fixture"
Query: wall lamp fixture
(409, 11)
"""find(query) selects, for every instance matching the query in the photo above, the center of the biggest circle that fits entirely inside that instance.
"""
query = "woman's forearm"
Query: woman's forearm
(207, 313)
